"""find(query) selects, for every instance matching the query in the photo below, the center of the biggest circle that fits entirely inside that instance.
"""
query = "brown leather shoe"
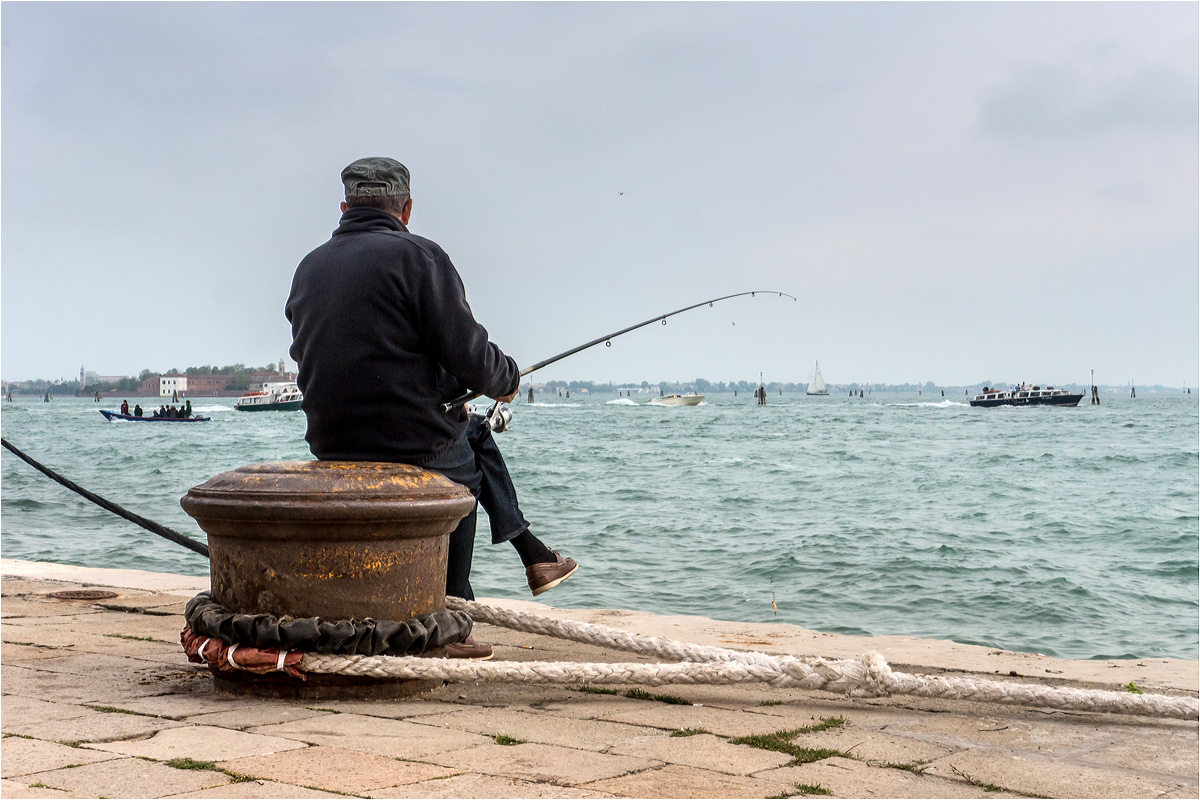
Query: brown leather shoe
(544, 577)
(480, 651)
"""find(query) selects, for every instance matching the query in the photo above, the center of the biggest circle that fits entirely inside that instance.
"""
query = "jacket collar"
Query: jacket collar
(364, 218)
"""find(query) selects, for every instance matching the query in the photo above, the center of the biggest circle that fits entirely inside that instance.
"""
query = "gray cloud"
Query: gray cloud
(1061, 103)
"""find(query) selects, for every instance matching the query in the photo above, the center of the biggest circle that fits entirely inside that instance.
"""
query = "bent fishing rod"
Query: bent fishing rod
(607, 339)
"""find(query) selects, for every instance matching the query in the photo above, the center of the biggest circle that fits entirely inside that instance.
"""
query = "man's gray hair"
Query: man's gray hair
(391, 203)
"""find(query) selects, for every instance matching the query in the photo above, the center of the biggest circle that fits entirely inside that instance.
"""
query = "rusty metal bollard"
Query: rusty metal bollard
(330, 539)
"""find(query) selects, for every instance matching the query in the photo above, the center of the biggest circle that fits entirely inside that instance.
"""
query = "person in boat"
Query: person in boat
(381, 324)
(125, 407)
(187, 411)
(137, 410)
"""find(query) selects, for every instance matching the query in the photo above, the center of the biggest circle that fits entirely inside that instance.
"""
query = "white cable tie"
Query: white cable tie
(206, 641)
(229, 657)
(279, 662)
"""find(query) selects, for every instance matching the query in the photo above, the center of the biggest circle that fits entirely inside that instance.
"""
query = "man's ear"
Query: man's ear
(406, 212)
(345, 207)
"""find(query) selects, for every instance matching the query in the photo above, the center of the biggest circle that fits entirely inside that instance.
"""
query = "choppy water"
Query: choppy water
(1070, 532)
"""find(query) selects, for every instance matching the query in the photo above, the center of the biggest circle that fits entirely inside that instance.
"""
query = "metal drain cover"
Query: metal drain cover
(82, 594)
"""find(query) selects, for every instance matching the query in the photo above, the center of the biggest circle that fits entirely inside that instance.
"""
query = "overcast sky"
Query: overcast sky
(955, 192)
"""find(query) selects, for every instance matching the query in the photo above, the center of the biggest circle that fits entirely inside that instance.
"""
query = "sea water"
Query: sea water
(1066, 531)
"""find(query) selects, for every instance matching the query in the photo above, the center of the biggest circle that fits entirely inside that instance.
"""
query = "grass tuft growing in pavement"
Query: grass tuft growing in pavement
(595, 690)
(135, 638)
(690, 732)
(326, 710)
(1132, 688)
(642, 694)
(191, 763)
(802, 789)
(115, 710)
(781, 742)
(507, 741)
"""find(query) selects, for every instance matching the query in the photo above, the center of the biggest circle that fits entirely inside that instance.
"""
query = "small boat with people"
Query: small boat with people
(114, 415)
(283, 396)
(676, 400)
(1025, 395)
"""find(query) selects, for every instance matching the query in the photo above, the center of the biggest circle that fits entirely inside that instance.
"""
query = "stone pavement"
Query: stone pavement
(99, 701)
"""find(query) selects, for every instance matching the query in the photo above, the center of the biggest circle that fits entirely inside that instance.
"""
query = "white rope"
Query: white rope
(698, 664)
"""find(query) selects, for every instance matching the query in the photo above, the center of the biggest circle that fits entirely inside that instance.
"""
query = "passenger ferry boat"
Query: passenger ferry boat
(273, 397)
(1025, 395)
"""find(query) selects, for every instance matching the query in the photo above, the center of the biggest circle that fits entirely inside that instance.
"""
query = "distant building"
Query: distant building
(171, 385)
(199, 385)
(259, 379)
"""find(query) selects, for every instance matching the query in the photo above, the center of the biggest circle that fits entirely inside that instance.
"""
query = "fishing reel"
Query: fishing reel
(498, 417)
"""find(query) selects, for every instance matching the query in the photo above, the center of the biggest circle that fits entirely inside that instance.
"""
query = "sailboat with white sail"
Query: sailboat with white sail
(817, 385)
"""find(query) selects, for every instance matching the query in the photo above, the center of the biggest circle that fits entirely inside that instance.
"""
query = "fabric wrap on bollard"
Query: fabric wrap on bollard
(366, 637)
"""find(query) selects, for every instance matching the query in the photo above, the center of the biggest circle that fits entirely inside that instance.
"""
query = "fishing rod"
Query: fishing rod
(607, 339)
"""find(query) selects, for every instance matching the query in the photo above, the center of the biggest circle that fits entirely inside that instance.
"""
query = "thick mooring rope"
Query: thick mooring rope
(869, 675)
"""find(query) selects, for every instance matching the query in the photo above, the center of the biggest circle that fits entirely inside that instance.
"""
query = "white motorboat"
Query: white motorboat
(677, 400)
(817, 385)
(273, 397)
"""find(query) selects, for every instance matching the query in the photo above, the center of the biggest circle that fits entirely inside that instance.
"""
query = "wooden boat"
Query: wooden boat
(111, 415)
(273, 397)
(677, 400)
(1026, 396)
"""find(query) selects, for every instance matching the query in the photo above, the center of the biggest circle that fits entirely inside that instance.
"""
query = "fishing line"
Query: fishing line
(607, 339)
(136, 519)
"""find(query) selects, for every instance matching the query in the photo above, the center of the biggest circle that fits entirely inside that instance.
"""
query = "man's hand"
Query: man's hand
(509, 398)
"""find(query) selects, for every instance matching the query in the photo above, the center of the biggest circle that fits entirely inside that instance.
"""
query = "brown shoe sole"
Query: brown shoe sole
(548, 586)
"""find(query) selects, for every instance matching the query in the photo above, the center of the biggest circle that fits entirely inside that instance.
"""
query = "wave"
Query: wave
(941, 404)
(621, 401)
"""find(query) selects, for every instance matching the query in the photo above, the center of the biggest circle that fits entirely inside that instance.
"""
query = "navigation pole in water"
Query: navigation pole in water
(607, 339)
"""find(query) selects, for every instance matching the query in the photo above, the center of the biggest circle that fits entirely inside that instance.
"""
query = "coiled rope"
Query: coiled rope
(698, 664)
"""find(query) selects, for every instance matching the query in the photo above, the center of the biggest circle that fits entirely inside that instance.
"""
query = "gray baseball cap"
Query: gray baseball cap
(375, 177)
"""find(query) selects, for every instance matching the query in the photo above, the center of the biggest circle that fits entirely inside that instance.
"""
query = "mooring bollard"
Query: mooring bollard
(331, 539)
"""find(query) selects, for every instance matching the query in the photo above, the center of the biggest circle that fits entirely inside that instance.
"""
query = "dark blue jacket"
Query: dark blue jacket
(383, 335)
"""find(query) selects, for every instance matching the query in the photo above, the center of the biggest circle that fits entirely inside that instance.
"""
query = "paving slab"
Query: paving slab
(541, 762)
(15, 790)
(180, 706)
(679, 781)
(98, 726)
(20, 756)
(16, 710)
(845, 777)
(543, 728)
(11, 652)
(485, 787)
(386, 737)
(256, 715)
(390, 709)
(704, 751)
(27, 681)
(129, 778)
(872, 746)
(200, 743)
(253, 790)
(335, 769)
(721, 721)
(1052, 778)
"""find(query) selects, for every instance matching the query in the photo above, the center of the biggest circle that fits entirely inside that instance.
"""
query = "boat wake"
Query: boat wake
(621, 401)
(941, 404)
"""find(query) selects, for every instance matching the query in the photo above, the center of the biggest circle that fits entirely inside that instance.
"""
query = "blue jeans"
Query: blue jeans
(497, 494)
(458, 464)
